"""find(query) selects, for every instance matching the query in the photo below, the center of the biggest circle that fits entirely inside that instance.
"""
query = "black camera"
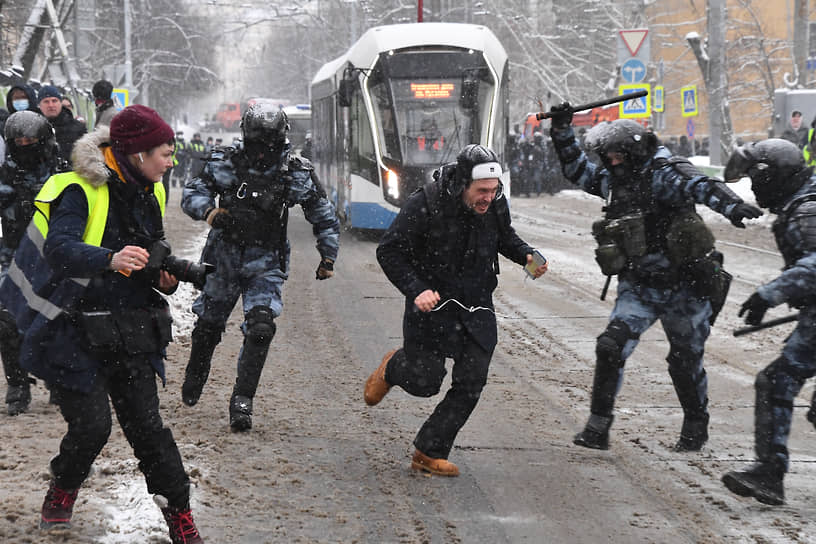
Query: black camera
(184, 270)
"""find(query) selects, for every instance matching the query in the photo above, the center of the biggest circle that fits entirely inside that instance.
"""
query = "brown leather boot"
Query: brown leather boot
(376, 387)
(440, 467)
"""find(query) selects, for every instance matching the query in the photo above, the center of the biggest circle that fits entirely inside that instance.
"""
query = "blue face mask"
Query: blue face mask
(20, 105)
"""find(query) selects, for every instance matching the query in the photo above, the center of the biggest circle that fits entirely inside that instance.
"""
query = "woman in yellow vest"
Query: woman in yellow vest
(84, 292)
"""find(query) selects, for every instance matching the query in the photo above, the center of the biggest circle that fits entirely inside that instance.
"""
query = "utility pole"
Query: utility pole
(715, 79)
(800, 49)
(128, 59)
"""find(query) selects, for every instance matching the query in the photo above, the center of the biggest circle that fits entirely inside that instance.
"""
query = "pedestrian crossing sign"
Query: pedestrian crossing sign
(659, 102)
(120, 98)
(689, 94)
(637, 107)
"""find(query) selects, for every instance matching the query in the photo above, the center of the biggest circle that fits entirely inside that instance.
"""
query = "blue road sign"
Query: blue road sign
(690, 129)
(637, 107)
(121, 98)
(689, 94)
(633, 70)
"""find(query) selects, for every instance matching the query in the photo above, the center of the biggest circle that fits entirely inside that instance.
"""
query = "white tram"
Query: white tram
(403, 100)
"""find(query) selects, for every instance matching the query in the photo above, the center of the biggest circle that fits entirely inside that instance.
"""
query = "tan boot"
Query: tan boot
(376, 387)
(440, 467)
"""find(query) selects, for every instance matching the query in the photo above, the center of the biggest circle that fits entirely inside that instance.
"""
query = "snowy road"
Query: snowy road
(320, 466)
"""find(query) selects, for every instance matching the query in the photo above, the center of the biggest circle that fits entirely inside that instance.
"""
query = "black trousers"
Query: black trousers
(130, 383)
(419, 370)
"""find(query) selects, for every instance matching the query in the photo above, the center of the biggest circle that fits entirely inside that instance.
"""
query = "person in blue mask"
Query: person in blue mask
(20, 97)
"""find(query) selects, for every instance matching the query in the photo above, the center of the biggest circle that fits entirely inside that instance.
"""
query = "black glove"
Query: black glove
(561, 116)
(325, 269)
(756, 306)
(743, 211)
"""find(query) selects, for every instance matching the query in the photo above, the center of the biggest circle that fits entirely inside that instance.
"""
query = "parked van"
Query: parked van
(228, 116)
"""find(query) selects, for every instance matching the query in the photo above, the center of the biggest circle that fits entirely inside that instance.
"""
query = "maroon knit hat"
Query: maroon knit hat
(138, 128)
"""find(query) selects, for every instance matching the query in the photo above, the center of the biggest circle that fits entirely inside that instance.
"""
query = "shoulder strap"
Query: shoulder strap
(791, 206)
(680, 164)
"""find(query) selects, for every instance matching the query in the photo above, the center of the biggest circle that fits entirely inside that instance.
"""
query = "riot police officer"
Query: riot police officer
(32, 159)
(783, 183)
(663, 255)
(245, 195)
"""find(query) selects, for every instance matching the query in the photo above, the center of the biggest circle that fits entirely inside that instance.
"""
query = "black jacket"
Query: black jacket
(436, 243)
(68, 130)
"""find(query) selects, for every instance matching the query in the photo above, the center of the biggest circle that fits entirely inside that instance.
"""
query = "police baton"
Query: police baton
(614, 100)
(766, 324)
(606, 287)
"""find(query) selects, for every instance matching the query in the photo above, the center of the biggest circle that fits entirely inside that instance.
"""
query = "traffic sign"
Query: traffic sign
(633, 39)
(633, 70)
(637, 107)
(658, 102)
(689, 99)
(690, 129)
(120, 98)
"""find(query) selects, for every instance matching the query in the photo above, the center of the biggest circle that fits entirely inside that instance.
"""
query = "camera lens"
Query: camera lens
(184, 270)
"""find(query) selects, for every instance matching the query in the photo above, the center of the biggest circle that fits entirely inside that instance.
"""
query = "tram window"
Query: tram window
(384, 118)
(361, 148)
(500, 129)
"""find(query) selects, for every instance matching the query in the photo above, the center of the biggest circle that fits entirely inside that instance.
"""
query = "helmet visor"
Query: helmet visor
(737, 167)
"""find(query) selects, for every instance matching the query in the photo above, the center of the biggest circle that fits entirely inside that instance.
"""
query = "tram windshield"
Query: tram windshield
(426, 119)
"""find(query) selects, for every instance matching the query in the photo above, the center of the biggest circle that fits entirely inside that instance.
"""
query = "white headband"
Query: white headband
(486, 170)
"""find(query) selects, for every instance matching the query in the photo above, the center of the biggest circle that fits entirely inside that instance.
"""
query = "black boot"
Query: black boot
(763, 481)
(240, 412)
(260, 329)
(693, 434)
(250, 365)
(18, 394)
(18, 398)
(205, 339)
(596, 433)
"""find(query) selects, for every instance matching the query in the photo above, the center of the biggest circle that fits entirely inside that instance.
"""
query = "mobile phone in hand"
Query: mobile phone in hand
(538, 260)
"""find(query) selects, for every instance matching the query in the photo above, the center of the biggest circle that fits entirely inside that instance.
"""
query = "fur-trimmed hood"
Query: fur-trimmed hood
(89, 159)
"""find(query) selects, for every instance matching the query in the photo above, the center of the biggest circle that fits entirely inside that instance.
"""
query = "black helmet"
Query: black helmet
(29, 124)
(265, 123)
(625, 136)
(776, 167)
(470, 156)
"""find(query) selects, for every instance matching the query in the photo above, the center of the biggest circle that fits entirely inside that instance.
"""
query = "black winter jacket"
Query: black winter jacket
(436, 243)
(68, 130)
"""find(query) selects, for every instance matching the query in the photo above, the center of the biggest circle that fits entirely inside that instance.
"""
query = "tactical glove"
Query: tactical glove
(219, 218)
(561, 116)
(756, 306)
(325, 269)
(743, 211)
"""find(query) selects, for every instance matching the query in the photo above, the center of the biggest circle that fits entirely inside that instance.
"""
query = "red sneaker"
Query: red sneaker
(182, 527)
(58, 507)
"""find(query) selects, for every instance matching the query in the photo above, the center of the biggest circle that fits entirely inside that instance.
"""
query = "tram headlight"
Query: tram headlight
(392, 183)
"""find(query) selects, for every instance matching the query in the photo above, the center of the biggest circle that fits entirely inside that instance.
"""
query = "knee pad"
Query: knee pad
(609, 348)
(260, 325)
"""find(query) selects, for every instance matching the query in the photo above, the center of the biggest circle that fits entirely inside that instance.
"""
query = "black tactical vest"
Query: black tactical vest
(635, 197)
(257, 206)
(795, 228)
